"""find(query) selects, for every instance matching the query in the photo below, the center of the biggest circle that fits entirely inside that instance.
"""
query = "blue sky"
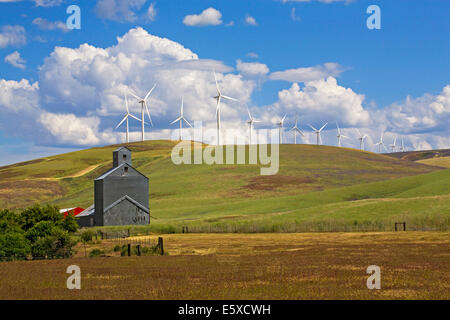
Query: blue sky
(392, 79)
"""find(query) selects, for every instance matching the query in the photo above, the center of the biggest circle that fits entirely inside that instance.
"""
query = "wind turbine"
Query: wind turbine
(280, 125)
(339, 135)
(128, 114)
(381, 144)
(394, 145)
(250, 122)
(181, 118)
(219, 97)
(403, 146)
(361, 139)
(317, 132)
(143, 102)
(296, 129)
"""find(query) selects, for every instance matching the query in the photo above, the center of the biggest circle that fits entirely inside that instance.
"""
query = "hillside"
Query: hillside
(313, 183)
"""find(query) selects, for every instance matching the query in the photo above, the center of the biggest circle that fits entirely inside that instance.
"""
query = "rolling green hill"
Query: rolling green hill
(316, 188)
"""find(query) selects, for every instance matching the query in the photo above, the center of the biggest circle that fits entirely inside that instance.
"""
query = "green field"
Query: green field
(318, 188)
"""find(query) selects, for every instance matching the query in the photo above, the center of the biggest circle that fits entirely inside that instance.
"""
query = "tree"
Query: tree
(86, 236)
(69, 223)
(32, 215)
(14, 245)
(57, 244)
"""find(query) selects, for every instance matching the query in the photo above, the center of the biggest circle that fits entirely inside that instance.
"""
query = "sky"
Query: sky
(317, 61)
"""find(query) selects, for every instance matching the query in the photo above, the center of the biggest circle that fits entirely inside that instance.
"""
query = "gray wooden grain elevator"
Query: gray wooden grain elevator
(121, 195)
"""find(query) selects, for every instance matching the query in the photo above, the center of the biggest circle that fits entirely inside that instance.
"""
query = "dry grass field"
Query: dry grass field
(414, 265)
(438, 162)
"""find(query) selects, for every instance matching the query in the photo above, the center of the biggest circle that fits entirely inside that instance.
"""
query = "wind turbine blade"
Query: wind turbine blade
(323, 127)
(148, 94)
(177, 119)
(182, 105)
(300, 131)
(312, 127)
(229, 98)
(359, 133)
(148, 113)
(249, 115)
(282, 120)
(126, 103)
(135, 96)
(186, 122)
(337, 126)
(134, 117)
(125, 118)
(217, 85)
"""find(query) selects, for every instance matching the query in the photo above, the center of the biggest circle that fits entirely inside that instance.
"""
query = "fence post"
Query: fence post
(138, 250)
(396, 226)
(129, 249)
(161, 245)
(404, 226)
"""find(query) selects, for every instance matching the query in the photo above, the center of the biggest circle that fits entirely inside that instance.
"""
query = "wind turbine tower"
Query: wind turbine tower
(127, 115)
(361, 139)
(143, 103)
(317, 132)
(218, 98)
(250, 122)
(280, 128)
(381, 144)
(181, 118)
(394, 145)
(339, 135)
(296, 130)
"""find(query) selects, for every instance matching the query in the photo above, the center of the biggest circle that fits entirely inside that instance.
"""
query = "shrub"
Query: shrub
(56, 245)
(87, 236)
(96, 253)
(69, 223)
(32, 215)
(40, 230)
(14, 246)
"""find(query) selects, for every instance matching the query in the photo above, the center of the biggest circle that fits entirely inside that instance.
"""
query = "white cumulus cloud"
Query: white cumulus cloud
(252, 69)
(16, 60)
(44, 24)
(309, 73)
(12, 36)
(208, 17)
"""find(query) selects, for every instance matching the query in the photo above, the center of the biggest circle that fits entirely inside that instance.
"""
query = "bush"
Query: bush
(87, 236)
(35, 214)
(96, 253)
(70, 223)
(56, 245)
(40, 230)
(14, 246)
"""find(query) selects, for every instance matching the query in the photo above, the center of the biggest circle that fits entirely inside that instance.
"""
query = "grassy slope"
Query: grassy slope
(329, 185)
(439, 161)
